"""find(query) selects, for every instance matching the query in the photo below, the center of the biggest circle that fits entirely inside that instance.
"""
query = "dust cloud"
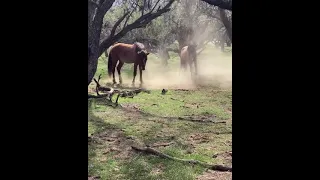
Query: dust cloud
(214, 69)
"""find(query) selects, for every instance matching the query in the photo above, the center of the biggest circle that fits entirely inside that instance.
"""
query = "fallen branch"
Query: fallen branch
(102, 88)
(110, 92)
(201, 120)
(98, 96)
(177, 99)
(162, 144)
(149, 150)
(181, 90)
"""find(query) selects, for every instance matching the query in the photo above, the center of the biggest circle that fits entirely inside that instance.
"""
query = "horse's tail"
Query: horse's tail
(109, 65)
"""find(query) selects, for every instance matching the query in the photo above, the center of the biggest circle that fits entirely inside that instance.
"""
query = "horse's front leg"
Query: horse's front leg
(140, 69)
(134, 73)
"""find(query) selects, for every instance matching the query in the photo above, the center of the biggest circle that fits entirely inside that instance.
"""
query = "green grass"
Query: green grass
(158, 123)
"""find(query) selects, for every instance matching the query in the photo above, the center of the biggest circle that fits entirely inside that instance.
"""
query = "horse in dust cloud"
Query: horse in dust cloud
(188, 56)
(127, 53)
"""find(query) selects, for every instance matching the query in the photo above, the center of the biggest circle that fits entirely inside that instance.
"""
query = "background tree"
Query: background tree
(225, 13)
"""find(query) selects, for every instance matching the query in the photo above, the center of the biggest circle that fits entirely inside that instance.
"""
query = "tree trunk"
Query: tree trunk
(222, 45)
(95, 21)
(164, 55)
(226, 22)
(228, 43)
(92, 67)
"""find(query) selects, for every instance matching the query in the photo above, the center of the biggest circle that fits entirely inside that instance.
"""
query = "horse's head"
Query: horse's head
(143, 58)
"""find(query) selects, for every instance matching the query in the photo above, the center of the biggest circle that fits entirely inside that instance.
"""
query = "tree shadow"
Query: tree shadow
(94, 143)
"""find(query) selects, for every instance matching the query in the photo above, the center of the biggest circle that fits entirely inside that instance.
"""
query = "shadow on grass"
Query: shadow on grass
(99, 125)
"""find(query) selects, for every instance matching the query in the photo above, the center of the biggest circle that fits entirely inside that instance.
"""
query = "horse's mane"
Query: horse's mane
(139, 46)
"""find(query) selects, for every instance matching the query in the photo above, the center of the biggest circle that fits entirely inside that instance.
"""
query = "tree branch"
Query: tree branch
(117, 24)
(224, 4)
(155, 5)
(127, 19)
(140, 22)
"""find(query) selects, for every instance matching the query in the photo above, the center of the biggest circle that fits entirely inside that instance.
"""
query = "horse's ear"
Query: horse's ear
(147, 53)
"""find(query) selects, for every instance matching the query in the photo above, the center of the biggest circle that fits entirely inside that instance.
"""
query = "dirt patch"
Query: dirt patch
(191, 105)
(215, 175)
(91, 90)
(226, 157)
(158, 169)
(93, 177)
(198, 138)
(131, 107)
(118, 145)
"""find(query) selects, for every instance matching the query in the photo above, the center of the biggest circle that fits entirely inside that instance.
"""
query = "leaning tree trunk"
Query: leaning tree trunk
(95, 21)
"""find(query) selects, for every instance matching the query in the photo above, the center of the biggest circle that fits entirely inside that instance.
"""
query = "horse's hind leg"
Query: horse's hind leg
(113, 73)
(119, 71)
(134, 73)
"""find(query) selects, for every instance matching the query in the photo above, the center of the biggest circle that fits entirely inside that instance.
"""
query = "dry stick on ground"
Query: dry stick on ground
(191, 161)
(130, 94)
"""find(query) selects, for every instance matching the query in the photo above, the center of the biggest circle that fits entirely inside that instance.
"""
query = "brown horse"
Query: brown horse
(188, 56)
(127, 53)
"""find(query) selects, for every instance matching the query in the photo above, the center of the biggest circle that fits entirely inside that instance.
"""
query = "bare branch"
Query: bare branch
(118, 23)
(155, 5)
(176, 23)
(224, 4)
(137, 5)
(127, 19)
(143, 6)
